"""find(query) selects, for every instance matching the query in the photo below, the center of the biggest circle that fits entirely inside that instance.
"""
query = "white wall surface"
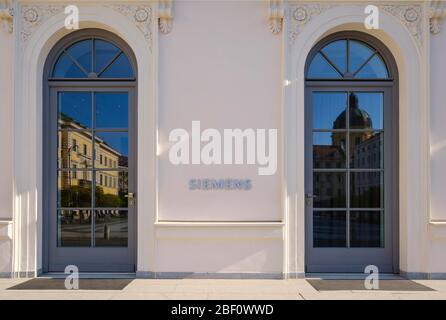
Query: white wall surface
(6, 41)
(438, 128)
(437, 233)
(220, 65)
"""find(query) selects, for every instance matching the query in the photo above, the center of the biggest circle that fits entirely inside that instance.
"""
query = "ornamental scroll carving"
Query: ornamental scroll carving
(302, 14)
(33, 16)
(411, 16)
(141, 16)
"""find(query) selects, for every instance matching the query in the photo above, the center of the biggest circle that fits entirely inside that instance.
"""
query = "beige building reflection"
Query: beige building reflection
(76, 152)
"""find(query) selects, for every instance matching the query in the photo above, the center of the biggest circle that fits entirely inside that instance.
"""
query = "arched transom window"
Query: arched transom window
(92, 58)
(347, 59)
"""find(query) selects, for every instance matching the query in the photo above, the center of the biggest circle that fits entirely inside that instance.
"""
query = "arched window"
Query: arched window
(92, 58)
(90, 114)
(351, 150)
(347, 59)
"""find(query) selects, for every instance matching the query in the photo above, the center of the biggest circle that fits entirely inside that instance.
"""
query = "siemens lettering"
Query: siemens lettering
(220, 184)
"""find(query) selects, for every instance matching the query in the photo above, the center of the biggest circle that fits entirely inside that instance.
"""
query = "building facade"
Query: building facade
(340, 110)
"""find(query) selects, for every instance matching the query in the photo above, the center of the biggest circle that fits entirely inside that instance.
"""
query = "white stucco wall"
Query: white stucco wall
(220, 65)
(6, 52)
(437, 228)
(437, 127)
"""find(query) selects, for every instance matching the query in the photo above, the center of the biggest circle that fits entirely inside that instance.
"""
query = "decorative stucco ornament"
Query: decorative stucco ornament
(436, 15)
(275, 16)
(411, 16)
(301, 14)
(165, 15)
(33, 16)
(6, 15)
(140, 15)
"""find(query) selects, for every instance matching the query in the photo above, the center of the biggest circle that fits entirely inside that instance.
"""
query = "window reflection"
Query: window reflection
(366, 229)
(366, 150)
(74, 110)
(327, 109)
(74, 228)
(111, 228)
(92, 168)
(329, 188)
(366, 189)
(112, 150)
(111, 110)
(366, 110)
(74, 189)
(329, 229)
(111, 189)
(329, 150)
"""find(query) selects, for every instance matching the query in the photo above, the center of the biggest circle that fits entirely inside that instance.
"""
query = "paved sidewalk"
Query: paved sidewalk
(218, 290)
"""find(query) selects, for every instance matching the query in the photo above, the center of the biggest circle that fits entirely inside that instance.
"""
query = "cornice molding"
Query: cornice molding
(6, 15)
(165, 15)
(436, 15)
(276, 14)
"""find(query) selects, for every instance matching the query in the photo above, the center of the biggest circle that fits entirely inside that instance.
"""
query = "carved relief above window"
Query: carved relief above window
(6, 15)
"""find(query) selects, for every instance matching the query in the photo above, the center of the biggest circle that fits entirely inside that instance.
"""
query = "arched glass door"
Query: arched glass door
(351, 149)
(90, 172)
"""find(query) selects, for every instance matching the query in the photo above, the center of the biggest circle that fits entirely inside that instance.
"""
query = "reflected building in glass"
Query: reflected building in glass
(76, 153)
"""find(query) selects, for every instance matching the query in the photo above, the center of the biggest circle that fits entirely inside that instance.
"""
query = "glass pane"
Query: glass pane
(329, 110)
(74, 110)
(74, 149)
(74, 189)
(111, 229)
(358, 54)
(366, 229)
(321, 69)
(329, 229)
(366, 110)
(366, 190)
(112, 150)
(337, 53)
(120, 68)
(105, 52)
(375, 68)
(329, 150)
(111, 110)
(329, 189)
(66, 68)
(111, 189)
(82, 53)
(74, 228)
(366, 150)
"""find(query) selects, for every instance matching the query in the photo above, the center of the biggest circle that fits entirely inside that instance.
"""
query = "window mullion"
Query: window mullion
(93, 171)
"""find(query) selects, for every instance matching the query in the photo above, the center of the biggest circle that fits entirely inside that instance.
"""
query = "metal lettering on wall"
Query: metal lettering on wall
(220, 184)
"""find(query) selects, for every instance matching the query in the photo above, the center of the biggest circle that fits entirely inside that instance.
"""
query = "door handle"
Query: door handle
(131, 198)
(309, 199)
